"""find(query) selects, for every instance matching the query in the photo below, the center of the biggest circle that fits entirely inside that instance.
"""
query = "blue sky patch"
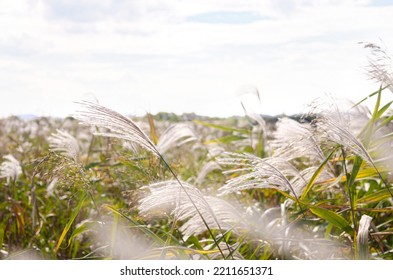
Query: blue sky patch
(226, 17)
(382, 3)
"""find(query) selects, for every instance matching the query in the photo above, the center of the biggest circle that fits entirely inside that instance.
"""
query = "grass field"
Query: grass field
(101, 185)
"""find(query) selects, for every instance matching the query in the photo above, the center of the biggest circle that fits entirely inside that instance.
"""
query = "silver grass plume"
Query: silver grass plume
(259, 130)
(217, 213)
(51, 186)
(335, 130)
(10, 168)
(118, 125)
(260, 173)
(64, 143)
(353, 117)
(258, 119)
(293, 140)
(381, 147)
(168, 194)
(300, 182)
(250, 100)
(265, 226)
(214, 150)
(344, 126)
(251, 103)
(206, 169)
(175, 136)
(380, 65)
(228, 217)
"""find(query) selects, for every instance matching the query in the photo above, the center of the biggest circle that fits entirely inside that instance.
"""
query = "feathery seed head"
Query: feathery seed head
(175, 136)
(259, 173)
(206, 169)
(118, 125)
(65, 144)
(335, 131)
(168, 195)
(10, 168)
(293, 139)
(380, 65)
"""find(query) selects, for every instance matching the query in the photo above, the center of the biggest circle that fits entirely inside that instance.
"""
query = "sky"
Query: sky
(185, 56)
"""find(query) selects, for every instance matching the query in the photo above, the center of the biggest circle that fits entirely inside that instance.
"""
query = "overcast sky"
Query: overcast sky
(180, 56)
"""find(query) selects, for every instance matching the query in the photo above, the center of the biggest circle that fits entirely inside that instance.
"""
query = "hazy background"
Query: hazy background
(185, 56)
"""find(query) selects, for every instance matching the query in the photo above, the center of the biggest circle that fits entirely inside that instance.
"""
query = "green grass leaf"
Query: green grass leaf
(332, 218)
(370, 95)
(375, 197)
(383, 109)
(227, 139)
(223, 128)
(315, 175)
(71, 220)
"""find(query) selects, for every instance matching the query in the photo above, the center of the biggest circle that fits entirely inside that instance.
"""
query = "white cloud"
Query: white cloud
(149, 55)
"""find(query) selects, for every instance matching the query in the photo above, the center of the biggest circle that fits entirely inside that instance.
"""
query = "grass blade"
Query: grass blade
(374, 197)
(227, 139)
(332, 218)
(153, 133)
(315, 175)
(383, 109)
(369, 96)
(223, 128)
(72, 219)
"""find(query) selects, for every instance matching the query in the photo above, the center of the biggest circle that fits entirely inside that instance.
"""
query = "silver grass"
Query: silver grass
(175, 136)
(51, 186)
(258, 130)
(123, 128)
(344, 126)
(293, 140)
(287, 238)
(10, 168)
(341, 111)
(206, 169)
(65, 144)
(380, 147)
(260, 173)
(167, 196)
(251, 103)
(214, 150)
(335, 131)
(382, 153)
(305, 175)
(380, 65)
(357, 118)
(228, 216)
(290, 239)
(250, 100)
(130, 146)
(118, 125)
(258, 119)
